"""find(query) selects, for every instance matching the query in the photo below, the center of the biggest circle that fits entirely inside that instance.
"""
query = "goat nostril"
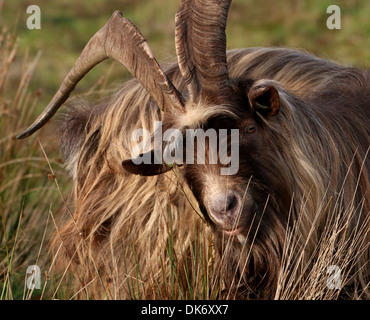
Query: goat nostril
(231, 203)
(224, 205)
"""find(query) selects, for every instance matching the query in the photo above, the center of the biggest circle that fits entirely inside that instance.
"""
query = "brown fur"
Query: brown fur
(309, 167)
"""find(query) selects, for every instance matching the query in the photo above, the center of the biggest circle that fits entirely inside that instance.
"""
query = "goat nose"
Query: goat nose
(224, 205)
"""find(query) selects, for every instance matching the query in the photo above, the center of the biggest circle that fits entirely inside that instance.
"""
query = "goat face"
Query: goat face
(226, 200)
(229, 199)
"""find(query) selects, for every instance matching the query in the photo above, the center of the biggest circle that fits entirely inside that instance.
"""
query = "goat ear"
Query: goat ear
(265, 100)
(144, 169)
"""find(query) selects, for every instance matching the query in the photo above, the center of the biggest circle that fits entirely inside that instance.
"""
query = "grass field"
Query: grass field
(33, 182)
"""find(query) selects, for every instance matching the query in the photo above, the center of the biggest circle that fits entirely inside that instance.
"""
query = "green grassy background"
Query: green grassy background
(29, 196)
(67, 25)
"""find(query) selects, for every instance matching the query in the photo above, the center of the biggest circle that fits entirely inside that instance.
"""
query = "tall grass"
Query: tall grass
(27, 196)
(335, 257)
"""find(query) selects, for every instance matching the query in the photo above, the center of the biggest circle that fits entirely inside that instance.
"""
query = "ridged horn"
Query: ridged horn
(201, 49)
(121, 41)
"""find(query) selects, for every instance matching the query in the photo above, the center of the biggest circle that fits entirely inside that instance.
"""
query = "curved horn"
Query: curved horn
(201, 48)
(121, 41)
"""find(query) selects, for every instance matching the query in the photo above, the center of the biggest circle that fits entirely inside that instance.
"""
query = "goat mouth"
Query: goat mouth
(233, 232)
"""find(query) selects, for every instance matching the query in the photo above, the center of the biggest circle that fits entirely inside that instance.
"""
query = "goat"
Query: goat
(303, 163)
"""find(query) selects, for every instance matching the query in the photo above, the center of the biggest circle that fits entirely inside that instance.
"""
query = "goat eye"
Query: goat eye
(250, 128)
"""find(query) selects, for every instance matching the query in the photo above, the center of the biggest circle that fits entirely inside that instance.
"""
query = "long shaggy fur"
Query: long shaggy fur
(315, 172)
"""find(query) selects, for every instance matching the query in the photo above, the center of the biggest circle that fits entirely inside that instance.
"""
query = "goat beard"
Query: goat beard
(250, 264)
